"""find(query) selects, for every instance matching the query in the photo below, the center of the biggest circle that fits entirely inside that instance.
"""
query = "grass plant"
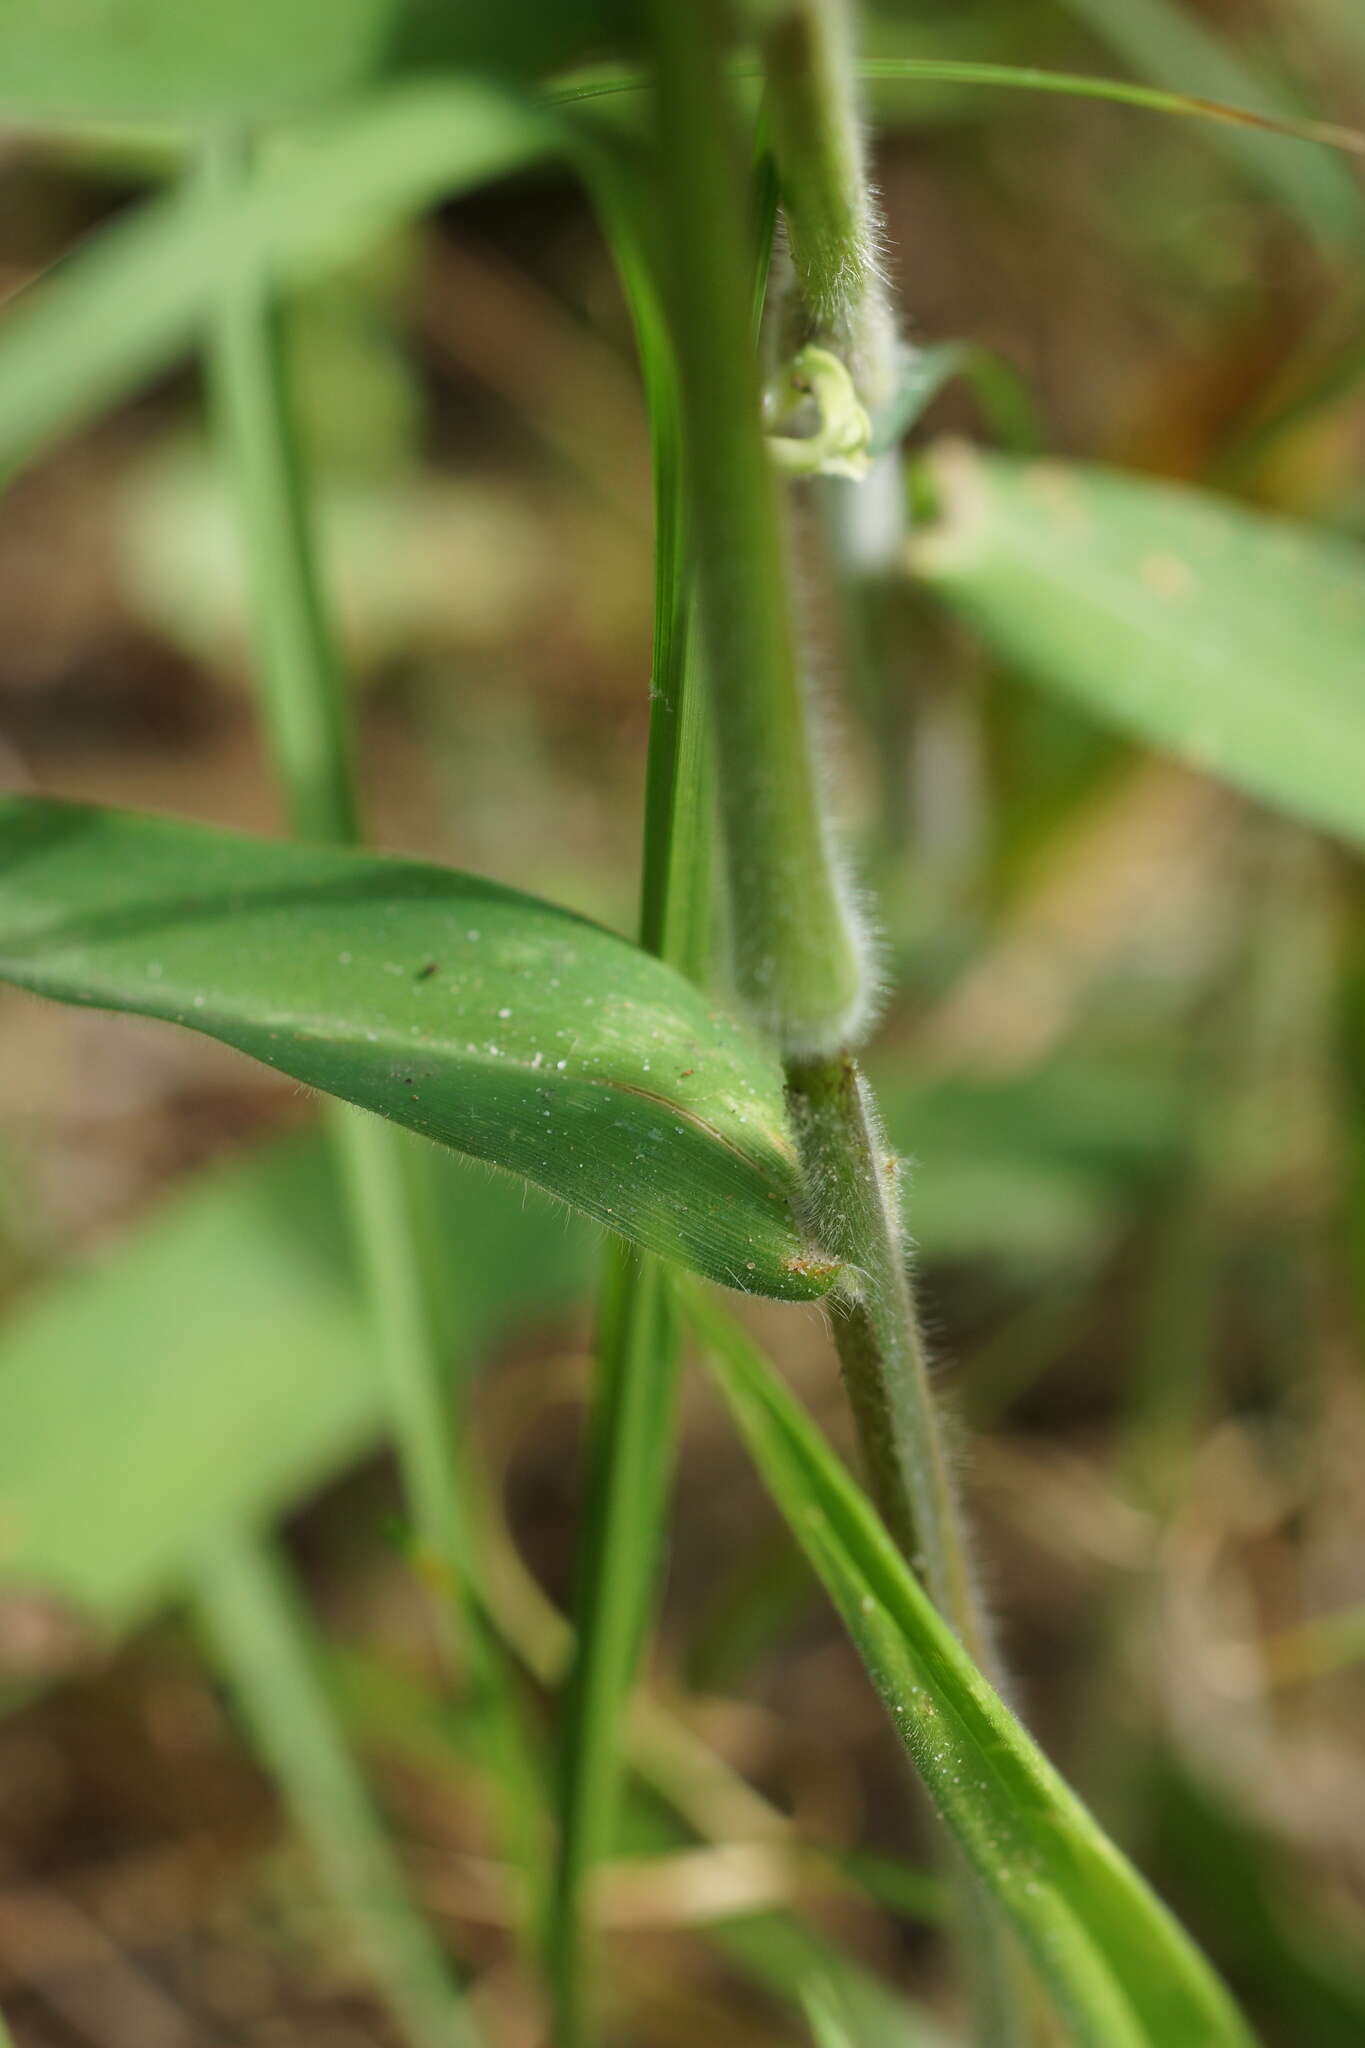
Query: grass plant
(699, 1092)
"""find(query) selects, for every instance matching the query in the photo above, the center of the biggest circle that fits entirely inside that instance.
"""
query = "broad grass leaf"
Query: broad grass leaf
(1120, 1968)
(1224, 636)
(495, 1023)
(214, 1365)
(172, 60)
(127, 302)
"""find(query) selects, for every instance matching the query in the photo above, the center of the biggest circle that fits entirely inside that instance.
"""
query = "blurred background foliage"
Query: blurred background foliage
(1123, 1055)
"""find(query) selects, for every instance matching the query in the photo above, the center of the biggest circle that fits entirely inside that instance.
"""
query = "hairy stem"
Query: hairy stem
(800, 959)
(798, 953)
(751, 647)
(839, 299)
(855, 1209)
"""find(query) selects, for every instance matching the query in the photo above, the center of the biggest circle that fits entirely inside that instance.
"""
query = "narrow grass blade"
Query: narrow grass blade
(501, 1026)
(303, 696)
(781, 1953)
(605, 80)
(637, 1354)
(1228, 637)
(130, 300)
(1169, 45)
(637, 1343)
(629, 1461)
(1120, 1968)
(263, 1639)
(773, 1949)
(826, 2023)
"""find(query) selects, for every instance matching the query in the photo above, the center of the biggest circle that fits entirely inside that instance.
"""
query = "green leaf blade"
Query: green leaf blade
(248, 1273)
(1118, 1965)
(1224, 636)
(492, 1022)
(143, 59)
(129, 301)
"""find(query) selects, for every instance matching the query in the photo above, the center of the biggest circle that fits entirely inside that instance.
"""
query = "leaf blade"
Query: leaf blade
(124, 305)
(247, 1271)
(1218, 634)
(492, 1022)
(1119, 1966)
(140, 59)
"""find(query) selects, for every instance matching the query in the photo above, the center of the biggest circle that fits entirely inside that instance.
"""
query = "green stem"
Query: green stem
(304, 698)
(306, 708)
(853, 1190)
(634, 1395)
(798, 952)
(637, 1351)
(854, 1200)
(781, 866)
(746, 599)
(264, 1639)
(840, 300)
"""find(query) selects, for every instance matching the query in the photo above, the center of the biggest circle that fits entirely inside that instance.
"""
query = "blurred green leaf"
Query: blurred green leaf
(386, 545)
(127, 302)
(1227, 637)
(999, 390)
(1035, 1170)
(1120, 1968)
(781, 1953)
(490, 1021)
(774, 1948)
(1250, 1889)
(1168, 45)
(214, 1366)
(264, 1639)
(915, 74)
(824, 2019)
(136, 59)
